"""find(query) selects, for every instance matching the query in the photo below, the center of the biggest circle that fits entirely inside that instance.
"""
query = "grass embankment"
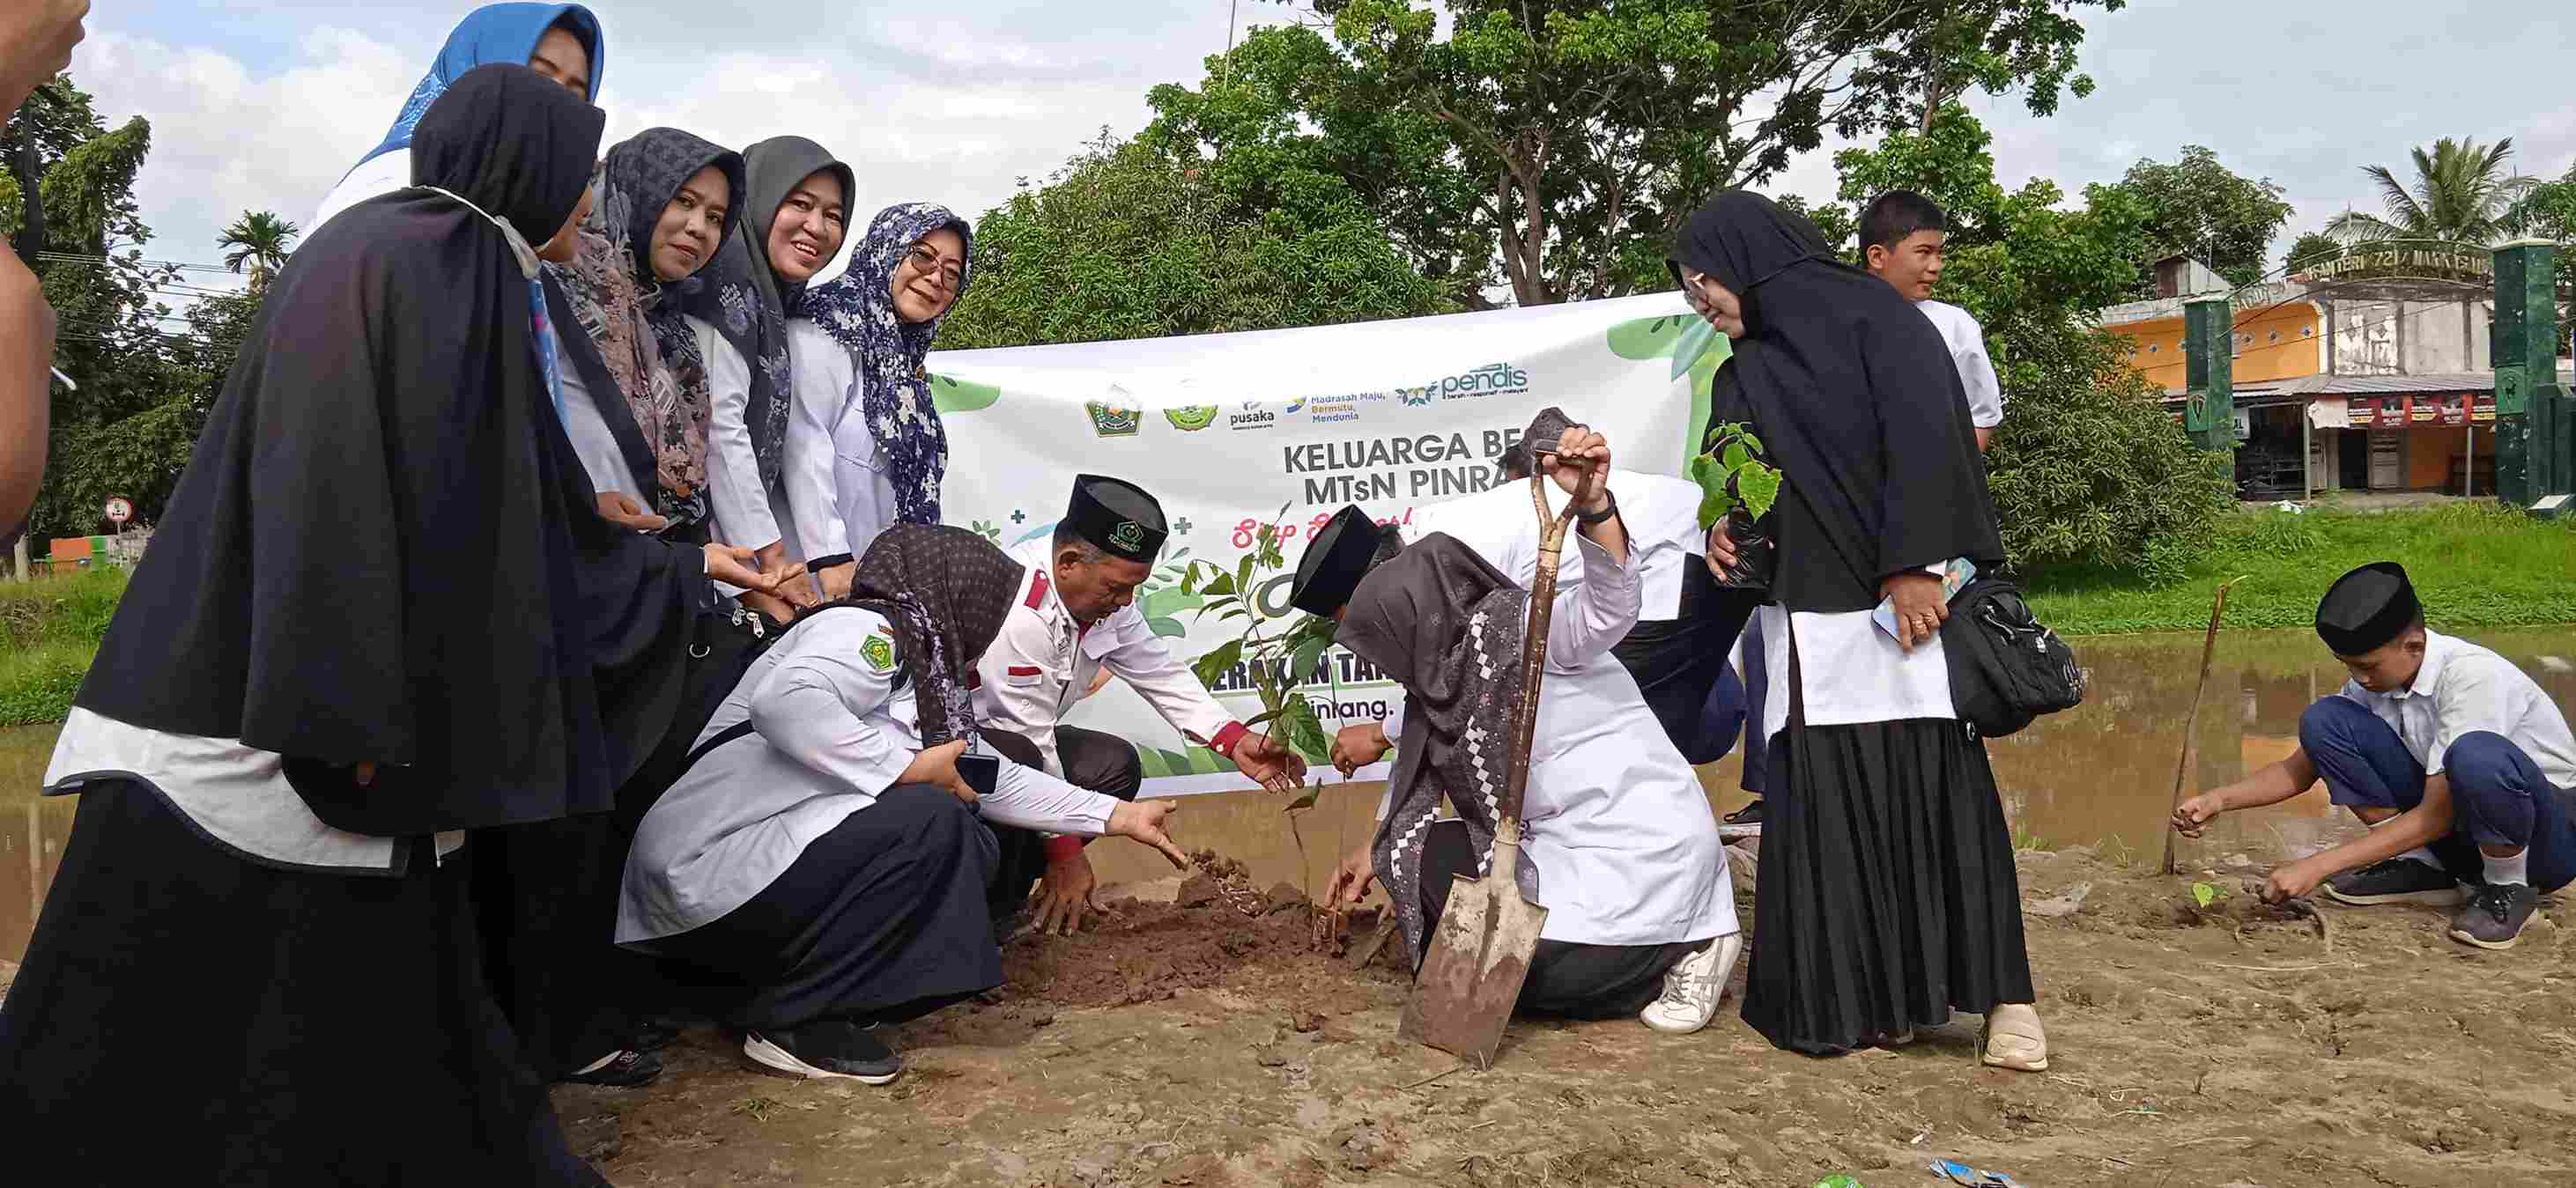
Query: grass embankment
(2474, 565)
(49, 629)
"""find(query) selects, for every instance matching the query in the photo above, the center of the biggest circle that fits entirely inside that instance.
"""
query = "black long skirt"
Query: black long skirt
(187, 1015)
(881, 920)
(1886, 896)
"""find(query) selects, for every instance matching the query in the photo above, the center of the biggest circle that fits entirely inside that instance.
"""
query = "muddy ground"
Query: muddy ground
(1223, 1043)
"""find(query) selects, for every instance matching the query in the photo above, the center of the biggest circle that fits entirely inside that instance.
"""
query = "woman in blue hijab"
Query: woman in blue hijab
(560, 41)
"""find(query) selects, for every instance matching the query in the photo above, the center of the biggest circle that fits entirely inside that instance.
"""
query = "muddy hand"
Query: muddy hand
(1143, 821)
(1065, 894)
(2192, 815)
(1351, 879)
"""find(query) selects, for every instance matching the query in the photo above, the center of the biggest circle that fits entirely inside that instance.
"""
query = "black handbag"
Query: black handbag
(2006, 667)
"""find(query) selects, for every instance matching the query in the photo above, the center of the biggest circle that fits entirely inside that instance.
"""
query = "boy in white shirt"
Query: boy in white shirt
(2458, 761)
(1902, 235)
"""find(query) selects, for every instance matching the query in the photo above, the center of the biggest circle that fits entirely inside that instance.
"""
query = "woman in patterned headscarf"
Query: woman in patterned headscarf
(891, 451)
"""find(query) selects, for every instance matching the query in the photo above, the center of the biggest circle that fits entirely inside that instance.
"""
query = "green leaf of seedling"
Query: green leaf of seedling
(1712, 507)
(1243, 574)
(1760, 487)
(1302, 657)
(2206, 894)
(1217, 660)
(1306, 800)
(1264, 718)
(1219, 586)
(1736, 455)
(1305, 732)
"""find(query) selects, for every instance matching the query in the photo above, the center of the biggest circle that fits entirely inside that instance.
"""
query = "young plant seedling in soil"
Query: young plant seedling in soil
(1737, 486)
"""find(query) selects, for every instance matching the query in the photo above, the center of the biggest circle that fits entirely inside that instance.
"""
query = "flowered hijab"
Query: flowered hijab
(749, 303)
(633, 321)
(858, 310)
(946, 591)
(504, 34)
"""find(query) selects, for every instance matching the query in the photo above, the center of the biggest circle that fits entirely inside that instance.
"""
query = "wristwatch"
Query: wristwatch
(1610, 509)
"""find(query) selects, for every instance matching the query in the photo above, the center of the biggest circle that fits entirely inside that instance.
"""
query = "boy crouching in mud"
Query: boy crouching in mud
(2460, 764)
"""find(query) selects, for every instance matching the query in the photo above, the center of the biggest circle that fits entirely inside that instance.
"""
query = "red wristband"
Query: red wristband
(1225, 739)
(1062, 847)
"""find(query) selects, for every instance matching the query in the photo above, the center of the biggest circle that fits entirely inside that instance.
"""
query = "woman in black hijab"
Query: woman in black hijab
(1887, 897)
(382, 614)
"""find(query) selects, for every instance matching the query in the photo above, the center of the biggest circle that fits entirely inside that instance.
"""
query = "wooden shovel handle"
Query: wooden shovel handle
(1551, 552)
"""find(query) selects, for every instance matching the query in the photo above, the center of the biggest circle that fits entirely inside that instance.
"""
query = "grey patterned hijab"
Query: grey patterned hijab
(1450, 628)
(748, 302)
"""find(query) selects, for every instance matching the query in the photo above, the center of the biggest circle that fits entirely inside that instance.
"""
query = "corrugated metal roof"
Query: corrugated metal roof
(2372, 385)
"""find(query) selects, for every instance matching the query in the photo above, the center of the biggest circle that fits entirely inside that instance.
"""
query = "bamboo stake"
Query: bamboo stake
(2191, 720)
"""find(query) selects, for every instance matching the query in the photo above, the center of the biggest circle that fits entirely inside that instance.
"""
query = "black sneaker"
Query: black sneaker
(2494, 917)
(628, 1069)
(825, 1049)
(2396, 880)
(1750, 814)
(657, 1034)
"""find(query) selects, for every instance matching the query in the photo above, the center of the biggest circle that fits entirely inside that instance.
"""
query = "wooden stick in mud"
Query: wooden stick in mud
(2191, 720)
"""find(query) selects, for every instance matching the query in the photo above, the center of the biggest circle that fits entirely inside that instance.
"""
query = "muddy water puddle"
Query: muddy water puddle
(2101, 774)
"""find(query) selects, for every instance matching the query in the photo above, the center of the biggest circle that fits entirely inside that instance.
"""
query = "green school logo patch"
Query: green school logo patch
(878, 651)
(1110, 421)
(1128, 535)
(1191, 419)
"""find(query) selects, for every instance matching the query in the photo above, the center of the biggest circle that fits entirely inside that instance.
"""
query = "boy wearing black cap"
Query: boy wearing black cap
(1075, 615)
(2460, 763)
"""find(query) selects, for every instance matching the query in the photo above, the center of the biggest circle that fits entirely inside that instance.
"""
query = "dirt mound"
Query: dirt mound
(1218, 932)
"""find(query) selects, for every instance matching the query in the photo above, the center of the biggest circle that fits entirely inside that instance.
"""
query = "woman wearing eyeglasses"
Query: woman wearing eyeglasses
(889, 449)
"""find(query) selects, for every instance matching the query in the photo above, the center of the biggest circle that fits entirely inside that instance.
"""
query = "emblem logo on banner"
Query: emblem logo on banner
(1111, 421)
(1191, 419)
(1253, 416)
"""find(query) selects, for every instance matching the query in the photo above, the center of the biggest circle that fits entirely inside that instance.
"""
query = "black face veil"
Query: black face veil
(384, 549)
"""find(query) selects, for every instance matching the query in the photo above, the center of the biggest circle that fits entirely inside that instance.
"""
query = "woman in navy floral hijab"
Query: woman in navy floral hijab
(886, 309)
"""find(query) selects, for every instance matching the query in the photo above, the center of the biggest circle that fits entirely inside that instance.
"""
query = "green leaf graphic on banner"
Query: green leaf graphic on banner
(953, 396)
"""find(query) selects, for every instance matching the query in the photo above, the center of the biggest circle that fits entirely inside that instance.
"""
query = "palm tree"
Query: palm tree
(2462, 192)
(258, 239)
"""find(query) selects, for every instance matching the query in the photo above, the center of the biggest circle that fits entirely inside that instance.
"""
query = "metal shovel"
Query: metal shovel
(1481, 948)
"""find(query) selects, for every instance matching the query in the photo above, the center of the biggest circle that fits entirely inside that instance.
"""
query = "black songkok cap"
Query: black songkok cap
(2367, 608)
(1118, 516)
(1334, 564)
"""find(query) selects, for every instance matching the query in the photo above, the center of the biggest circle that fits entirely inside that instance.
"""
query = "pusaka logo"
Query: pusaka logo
(1253, 416)
(1191, 419)
(1109, 420)
(1492, 379)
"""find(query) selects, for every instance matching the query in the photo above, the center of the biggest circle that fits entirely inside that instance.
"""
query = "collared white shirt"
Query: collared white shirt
(1043, 663)
(832, 729)
(734, 490)
(1660, 513)
(1626, 847)
(600, 456)
(2462, 689)
(1968, 351)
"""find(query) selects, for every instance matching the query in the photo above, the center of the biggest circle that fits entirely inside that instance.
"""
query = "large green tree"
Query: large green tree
(2087, 468)
(2460, 190)
(143, 381)
(1126, 242)
(2198, 207)
(1548, 145)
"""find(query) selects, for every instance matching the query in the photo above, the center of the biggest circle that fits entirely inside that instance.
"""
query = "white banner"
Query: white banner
(1225, 428)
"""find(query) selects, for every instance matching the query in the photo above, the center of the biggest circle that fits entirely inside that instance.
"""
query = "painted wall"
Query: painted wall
(2411, 337)
(2273, 343)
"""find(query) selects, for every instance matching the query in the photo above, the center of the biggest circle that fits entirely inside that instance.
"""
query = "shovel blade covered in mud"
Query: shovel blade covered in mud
(1481, 949)
(1479, 957)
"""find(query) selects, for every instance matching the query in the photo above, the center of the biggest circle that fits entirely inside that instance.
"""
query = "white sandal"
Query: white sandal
(2014, 1039)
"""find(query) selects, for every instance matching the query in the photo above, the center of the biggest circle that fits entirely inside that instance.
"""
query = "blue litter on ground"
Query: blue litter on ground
(1960, 1173)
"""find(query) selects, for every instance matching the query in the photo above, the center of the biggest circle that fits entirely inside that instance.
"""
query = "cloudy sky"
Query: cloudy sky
(261, 104)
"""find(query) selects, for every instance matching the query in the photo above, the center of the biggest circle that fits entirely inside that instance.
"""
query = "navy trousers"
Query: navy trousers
(2498, 796)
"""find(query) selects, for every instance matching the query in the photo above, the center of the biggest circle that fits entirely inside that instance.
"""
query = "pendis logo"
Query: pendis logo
(1191, 419)
(1109, 420)
(1488, 380)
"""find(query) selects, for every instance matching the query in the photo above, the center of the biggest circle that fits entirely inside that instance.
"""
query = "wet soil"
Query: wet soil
(1215, 1040)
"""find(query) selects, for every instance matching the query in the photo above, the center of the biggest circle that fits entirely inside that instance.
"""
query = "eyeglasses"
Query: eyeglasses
(922, 259)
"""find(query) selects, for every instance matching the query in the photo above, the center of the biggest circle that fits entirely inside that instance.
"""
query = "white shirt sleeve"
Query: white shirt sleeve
(825, 709)
(1591, 619)
(1148, 666)
(1032, 799)
(1977, 376)
(807, 460)
(1027, 705)
(2471, 698)
(733, 470)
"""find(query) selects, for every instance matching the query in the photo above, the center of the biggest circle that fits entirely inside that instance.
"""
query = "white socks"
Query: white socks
(2516, 869)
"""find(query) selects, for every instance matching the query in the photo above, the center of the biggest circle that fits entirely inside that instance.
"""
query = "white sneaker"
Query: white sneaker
(1692, 987)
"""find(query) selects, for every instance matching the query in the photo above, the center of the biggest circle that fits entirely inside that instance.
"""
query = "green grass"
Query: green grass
(2474, 564)
(49, 630)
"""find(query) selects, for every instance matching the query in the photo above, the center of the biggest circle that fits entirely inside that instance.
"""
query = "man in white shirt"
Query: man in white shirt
(1075, 615)
(2460, 764)
(1902, 236)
